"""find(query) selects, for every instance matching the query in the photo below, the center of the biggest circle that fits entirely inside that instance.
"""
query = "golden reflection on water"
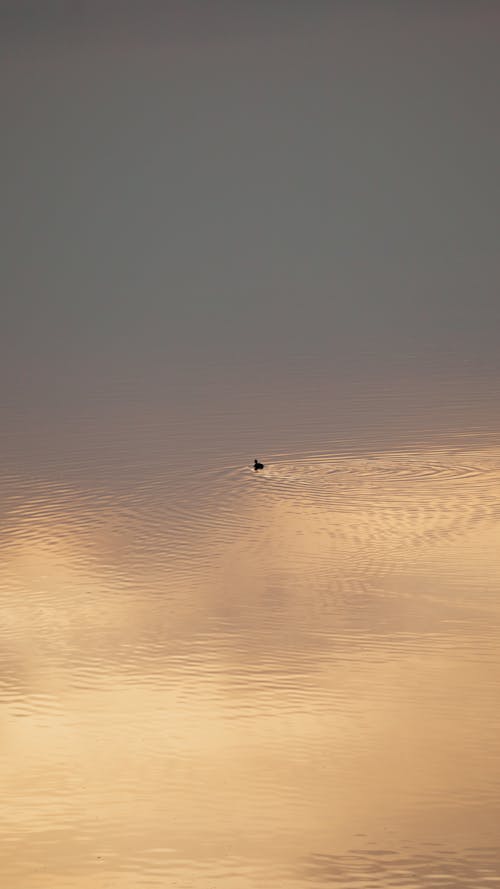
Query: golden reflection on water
(254, 680)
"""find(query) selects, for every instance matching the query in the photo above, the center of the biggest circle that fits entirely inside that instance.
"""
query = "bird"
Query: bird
(257, 465)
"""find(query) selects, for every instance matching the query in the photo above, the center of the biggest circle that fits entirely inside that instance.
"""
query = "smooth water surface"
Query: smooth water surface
(266, 231)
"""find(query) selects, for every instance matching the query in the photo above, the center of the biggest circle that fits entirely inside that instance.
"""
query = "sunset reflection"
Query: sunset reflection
(234, 229)
(288, 702)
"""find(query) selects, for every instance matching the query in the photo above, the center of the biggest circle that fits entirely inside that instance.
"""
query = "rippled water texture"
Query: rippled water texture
(236, 230)
(212, 676)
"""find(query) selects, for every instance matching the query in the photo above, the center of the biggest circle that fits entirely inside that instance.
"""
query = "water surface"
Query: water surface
(268, 231)
(216, 676)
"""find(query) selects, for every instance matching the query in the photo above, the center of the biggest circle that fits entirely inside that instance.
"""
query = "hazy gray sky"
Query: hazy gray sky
(249, 178)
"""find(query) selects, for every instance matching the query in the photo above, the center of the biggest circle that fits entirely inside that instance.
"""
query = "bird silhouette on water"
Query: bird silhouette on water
(257, 465)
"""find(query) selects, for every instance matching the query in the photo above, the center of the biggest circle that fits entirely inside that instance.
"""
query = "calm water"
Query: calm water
(215, 677)
(238, 230)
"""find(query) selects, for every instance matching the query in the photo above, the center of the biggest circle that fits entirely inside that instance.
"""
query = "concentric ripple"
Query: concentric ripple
(366, 497)
(323, 473)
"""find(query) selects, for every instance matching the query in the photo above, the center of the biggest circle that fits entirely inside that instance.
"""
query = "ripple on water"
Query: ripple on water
(223, 654)
(372, 504)
(362, 867)
(365, 502)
